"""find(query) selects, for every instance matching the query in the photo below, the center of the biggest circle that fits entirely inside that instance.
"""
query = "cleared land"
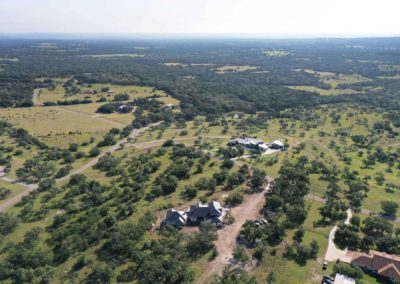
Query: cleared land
(276, 53)
(55, 126)
(234, 69)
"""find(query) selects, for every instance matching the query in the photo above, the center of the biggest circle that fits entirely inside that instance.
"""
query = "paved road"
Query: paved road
(333, 253)
(367, 212)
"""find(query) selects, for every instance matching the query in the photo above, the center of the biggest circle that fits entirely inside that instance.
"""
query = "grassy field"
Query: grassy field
(174, 64)
(90, 109)
(234, 69)
(133, 55)
(58, 94)
(333, 80)
(54, 126)
(324, 92)
(389, 67)
(276, 53)
(15, 188)
(289, 272)
(9, 59)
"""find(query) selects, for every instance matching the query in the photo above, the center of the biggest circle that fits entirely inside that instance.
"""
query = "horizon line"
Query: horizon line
(100, 35)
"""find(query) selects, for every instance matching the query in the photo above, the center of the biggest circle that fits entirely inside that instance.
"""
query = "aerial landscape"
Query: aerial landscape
(198, 159)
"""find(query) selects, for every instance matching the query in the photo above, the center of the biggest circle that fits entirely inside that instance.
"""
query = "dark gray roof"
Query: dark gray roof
(213, 208)
(176, 218)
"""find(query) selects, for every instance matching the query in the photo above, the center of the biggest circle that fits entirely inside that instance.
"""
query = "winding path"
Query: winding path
(367, 212)
(156, 143)
(247, 210)
(333, 253)
(17, 198)
(31, 187)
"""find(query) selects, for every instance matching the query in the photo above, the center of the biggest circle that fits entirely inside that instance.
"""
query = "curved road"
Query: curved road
(30, 187)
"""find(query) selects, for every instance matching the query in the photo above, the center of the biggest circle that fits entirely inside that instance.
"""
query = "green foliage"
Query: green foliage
(8, 223)
(235, 276)
(348, 270)
(389, 207)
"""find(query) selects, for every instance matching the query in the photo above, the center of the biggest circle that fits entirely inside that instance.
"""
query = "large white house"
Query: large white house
(213, 212)
(254, 143)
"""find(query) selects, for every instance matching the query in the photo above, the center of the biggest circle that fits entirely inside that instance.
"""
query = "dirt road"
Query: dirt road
(17, 198)
(30, 187)
(35, 97)
(248, 210)
(113, 148)
(98, 118)
(156, 143)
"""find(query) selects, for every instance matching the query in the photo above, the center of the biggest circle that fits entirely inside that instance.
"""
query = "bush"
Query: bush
(227, 164)
(234, 199)
(94, 152)
(168, 143)
(349, 270)
(4, 193)
(121, 97)
(8, 223)
(62, 172)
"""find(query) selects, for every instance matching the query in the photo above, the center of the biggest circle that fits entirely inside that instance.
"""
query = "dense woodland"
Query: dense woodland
(199, 88)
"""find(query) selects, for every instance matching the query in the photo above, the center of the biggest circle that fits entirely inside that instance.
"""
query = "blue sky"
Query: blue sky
(278, 17)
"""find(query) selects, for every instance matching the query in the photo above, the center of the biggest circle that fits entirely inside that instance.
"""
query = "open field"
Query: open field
(54, 126)
(324, 92)
(58, 94)
(276, 53)
(389, 67)
(234, 69)
(15, 189)
(9, 59)
(133, 55)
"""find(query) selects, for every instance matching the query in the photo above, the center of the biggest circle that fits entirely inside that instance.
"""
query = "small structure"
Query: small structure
(277, 145)
(343, 279)
(175, 218)
(380, 263)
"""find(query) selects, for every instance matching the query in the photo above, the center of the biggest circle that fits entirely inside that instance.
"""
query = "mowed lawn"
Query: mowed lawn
(54, 126)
